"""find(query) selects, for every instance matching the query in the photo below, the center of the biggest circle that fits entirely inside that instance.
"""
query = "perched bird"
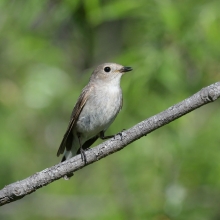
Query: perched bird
(96, 108)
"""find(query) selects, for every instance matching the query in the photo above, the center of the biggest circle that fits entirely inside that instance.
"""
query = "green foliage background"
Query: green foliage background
(48, 50)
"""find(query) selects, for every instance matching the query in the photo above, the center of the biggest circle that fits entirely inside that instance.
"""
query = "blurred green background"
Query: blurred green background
(48, 50)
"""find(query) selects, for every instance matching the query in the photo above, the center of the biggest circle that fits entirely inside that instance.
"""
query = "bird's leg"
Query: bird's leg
(103, 137)
(83, 155)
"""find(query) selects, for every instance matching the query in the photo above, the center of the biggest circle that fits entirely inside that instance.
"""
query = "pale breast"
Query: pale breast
(100, 110)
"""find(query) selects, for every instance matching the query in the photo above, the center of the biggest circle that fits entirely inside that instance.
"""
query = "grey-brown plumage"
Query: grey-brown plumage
(95, 109)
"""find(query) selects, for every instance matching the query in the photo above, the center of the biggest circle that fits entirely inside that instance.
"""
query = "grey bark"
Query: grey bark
(19, 189)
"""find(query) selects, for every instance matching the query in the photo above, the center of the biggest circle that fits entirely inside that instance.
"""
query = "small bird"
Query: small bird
(96, 108)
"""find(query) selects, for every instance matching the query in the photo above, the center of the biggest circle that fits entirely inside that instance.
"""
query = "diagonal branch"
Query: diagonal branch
(17, 190)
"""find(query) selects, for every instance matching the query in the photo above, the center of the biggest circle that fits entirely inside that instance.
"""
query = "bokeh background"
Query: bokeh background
(48, 50)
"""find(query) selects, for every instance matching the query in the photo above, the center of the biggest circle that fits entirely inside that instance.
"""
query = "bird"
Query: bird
(96, 108)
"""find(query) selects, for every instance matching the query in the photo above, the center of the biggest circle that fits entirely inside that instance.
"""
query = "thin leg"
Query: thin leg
(83, 155)
(103, 137)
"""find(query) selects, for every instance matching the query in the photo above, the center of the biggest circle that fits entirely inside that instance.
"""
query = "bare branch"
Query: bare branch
(24, 187)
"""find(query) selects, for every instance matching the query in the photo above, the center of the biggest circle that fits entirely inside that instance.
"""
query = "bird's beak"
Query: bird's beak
(125, 69)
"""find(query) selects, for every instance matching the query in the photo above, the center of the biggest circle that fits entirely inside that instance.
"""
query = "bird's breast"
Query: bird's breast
(100, 110)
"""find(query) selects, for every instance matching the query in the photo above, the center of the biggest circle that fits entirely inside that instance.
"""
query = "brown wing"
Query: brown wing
(68, 136)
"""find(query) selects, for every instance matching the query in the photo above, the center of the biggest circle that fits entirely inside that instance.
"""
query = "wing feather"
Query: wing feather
(68, 136)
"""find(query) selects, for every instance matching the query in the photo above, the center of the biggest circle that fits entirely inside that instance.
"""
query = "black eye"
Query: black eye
(107, 69)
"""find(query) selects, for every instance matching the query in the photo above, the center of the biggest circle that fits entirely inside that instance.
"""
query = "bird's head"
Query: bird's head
(109, 72)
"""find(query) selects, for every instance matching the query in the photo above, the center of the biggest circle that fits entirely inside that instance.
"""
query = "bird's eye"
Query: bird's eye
(107, 69)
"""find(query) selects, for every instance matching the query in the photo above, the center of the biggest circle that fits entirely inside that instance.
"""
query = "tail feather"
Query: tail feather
(75, 149)
(71, 151)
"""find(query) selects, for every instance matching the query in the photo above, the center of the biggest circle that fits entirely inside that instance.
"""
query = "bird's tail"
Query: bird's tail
(67, 155)
(73, 150)
(70, 153)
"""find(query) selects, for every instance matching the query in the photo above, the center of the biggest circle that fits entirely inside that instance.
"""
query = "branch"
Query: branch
(17, 190)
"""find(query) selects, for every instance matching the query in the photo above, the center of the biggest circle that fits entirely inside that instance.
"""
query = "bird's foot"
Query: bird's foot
(120, 133)
(83, 155)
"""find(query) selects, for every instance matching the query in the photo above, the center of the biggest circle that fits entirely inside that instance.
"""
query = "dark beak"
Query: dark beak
(125, 69)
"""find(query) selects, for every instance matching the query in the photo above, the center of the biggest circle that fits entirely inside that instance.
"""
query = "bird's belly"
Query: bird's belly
(98, 114)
